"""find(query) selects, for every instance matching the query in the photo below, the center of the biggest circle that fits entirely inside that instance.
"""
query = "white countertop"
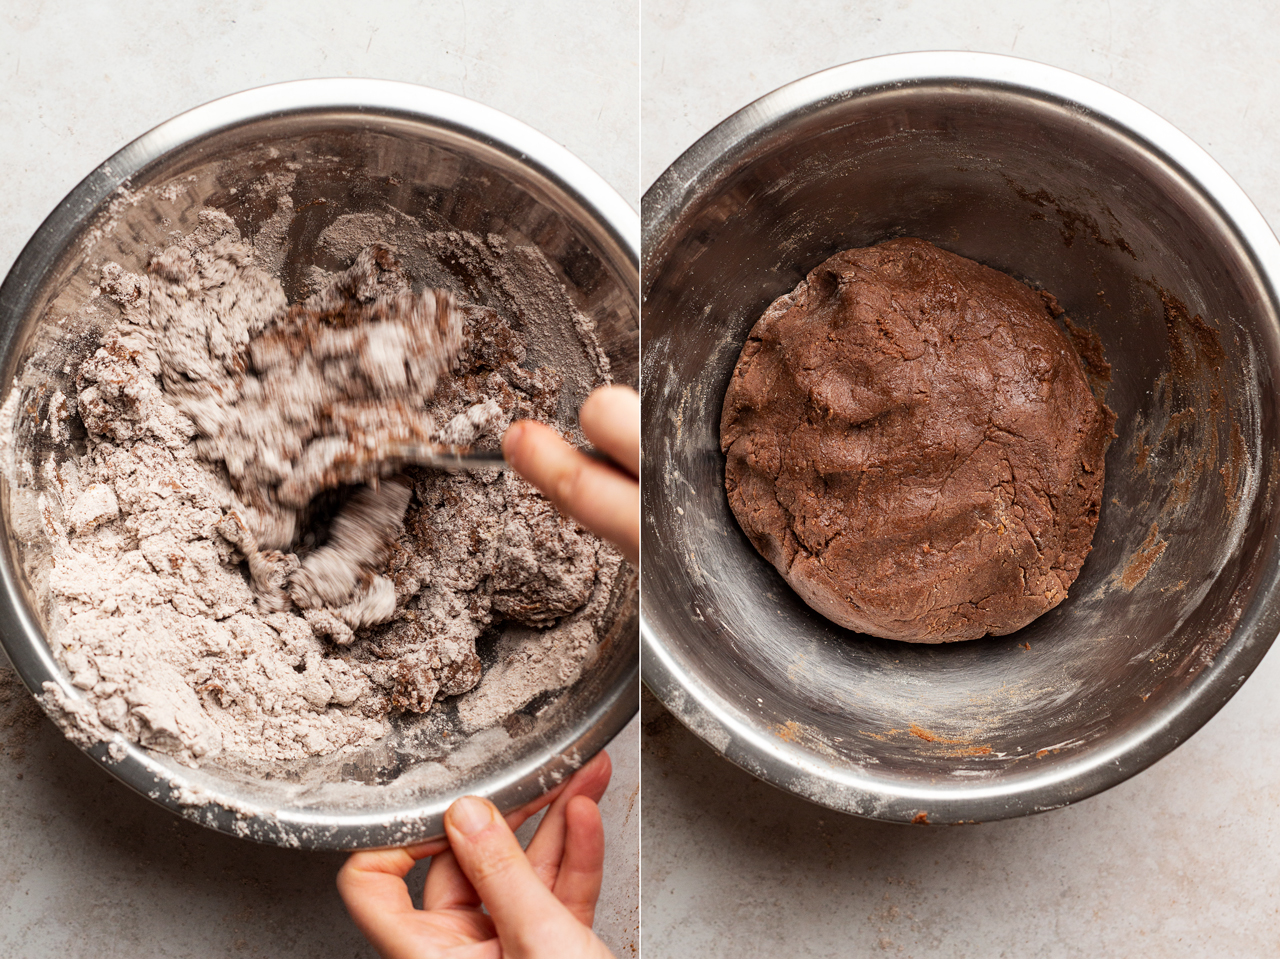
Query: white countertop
(86, 867)
(1182, 860)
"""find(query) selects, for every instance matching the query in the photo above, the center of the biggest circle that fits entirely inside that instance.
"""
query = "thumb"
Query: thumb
(524, 911)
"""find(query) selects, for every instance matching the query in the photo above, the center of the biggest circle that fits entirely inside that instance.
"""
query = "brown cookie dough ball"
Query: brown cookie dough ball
(912, 442)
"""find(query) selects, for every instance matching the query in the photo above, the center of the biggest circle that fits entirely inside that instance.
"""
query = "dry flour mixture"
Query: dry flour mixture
(229, 579)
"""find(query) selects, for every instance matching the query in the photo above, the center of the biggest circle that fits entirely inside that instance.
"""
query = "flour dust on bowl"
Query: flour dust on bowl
(510, 657)
(1159, 261)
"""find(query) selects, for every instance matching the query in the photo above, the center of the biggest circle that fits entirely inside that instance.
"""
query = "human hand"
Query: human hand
(541, 901)
(603, 498)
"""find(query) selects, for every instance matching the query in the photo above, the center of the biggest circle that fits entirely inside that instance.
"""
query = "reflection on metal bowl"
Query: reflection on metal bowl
(1147, 243)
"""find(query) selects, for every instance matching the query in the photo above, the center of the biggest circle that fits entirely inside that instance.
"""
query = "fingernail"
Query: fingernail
(420, 850)
(469, 815)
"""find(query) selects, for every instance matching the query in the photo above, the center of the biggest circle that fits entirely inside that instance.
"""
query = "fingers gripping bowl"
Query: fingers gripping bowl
(1163, 265)
(287, 166)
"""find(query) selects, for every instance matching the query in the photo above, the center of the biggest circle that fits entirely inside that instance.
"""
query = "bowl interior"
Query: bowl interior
(1141, 257)
(435, 192)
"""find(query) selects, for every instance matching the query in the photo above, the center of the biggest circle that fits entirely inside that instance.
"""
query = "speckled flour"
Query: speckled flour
(189, 594)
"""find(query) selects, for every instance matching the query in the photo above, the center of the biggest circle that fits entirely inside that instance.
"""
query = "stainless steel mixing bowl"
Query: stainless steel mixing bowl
(346, 146)
(1148, 244)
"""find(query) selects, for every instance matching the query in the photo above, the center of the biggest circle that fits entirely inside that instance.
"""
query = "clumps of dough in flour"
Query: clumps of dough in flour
(912, 441)
(333, 383)
(187, 604)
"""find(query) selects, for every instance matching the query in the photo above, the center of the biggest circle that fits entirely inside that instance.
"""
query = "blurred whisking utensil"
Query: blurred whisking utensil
(445, 457)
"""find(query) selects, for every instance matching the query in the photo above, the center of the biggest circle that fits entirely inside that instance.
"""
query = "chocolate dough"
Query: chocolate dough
(912, 442)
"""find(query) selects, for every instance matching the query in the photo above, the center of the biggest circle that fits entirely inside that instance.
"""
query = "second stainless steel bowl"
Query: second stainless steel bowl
(1146, 242)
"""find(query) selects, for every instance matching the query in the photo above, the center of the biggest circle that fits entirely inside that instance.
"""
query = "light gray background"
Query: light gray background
(88, 869)
(1183, 860)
